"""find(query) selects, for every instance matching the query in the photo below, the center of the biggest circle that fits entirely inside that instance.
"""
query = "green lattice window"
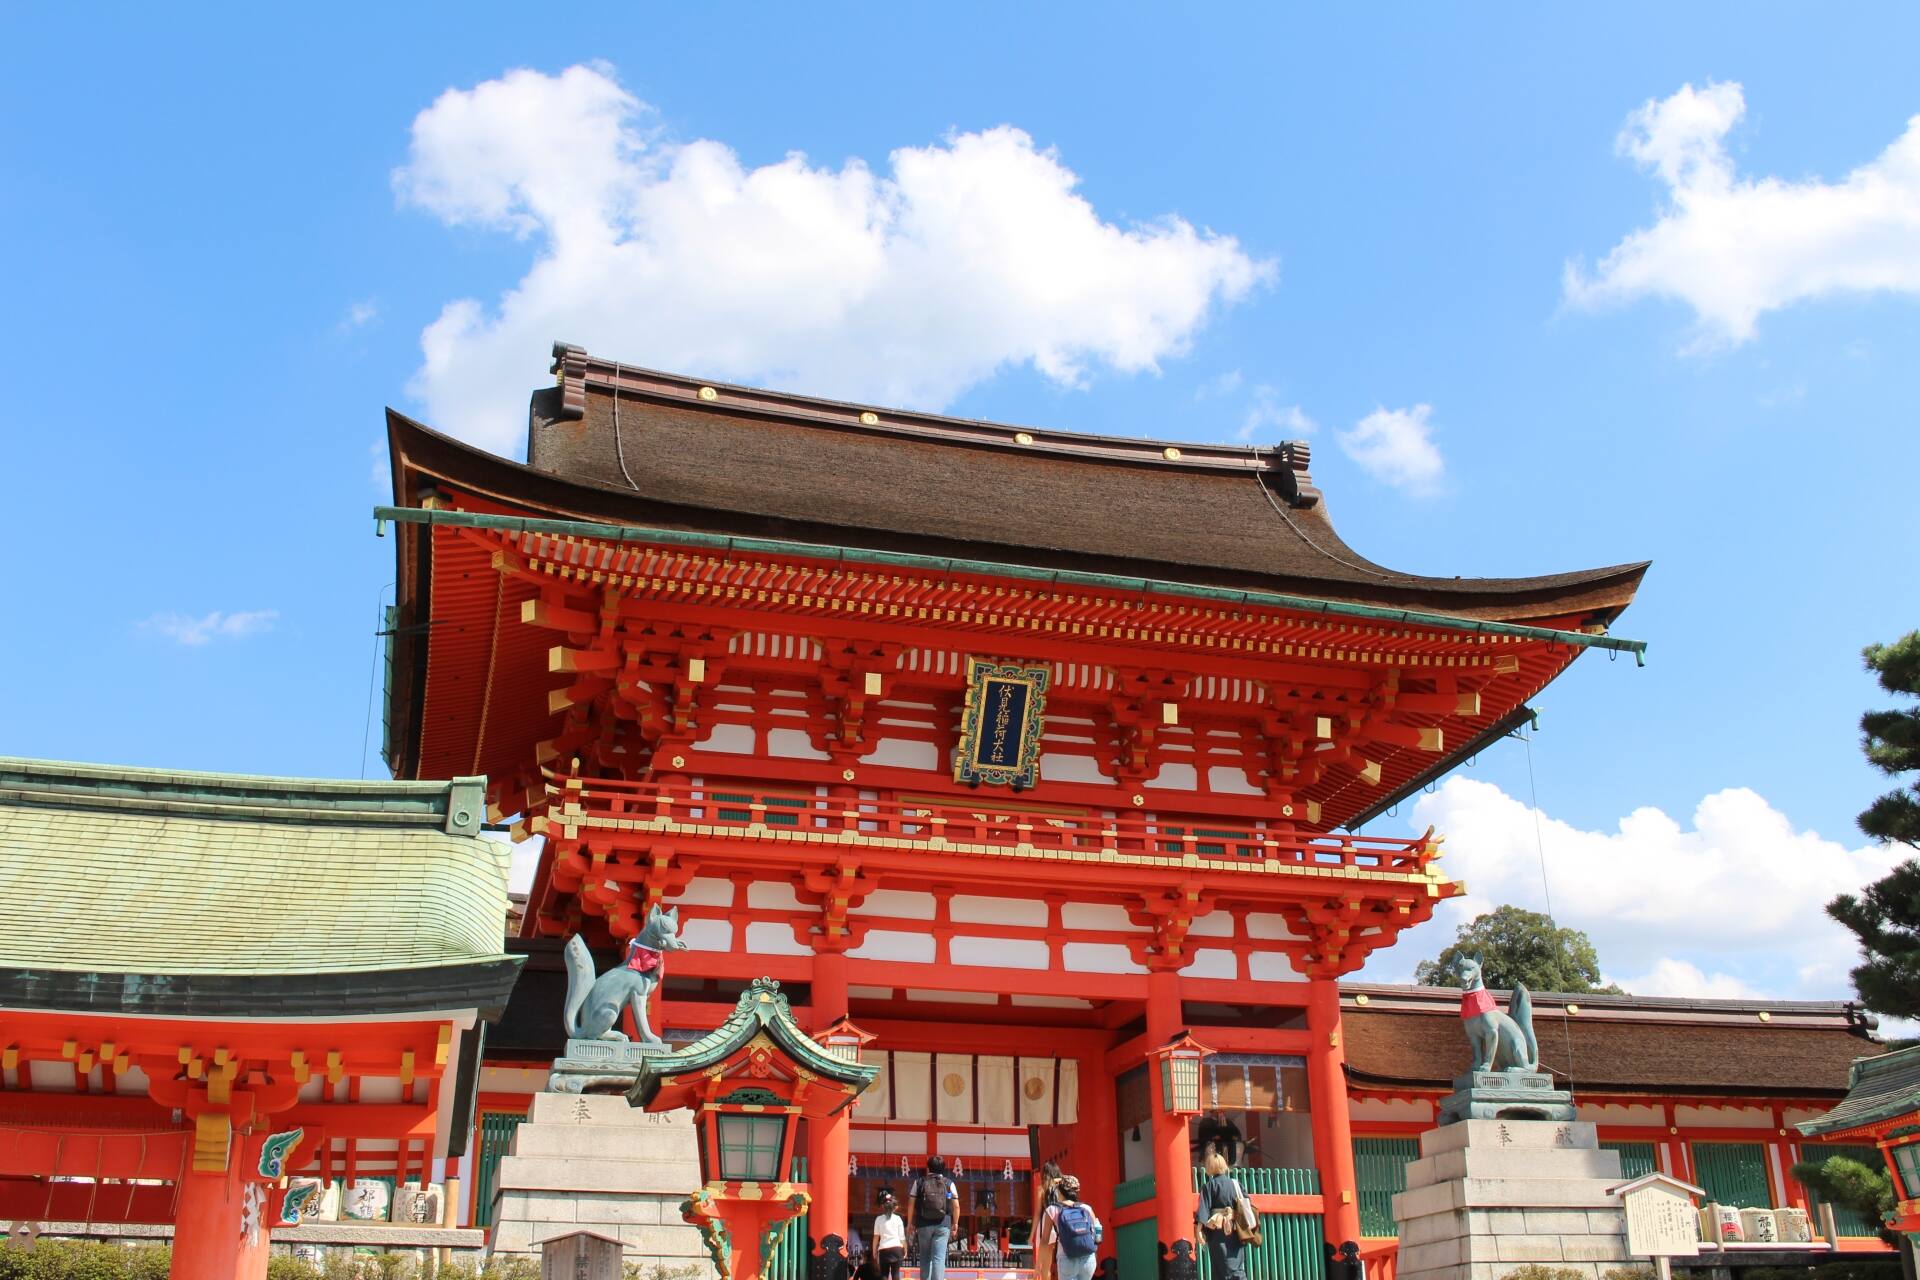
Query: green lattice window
(782, 811)
(496, 1135)
(1733, 1173)
(1637, 1159)
(1846, 1221)
(1380, 1168)
(750, 1146)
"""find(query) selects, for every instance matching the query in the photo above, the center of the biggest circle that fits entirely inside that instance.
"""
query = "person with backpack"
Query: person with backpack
(1072, 1229)
(931, 1203)
(1046, 1194)
(1227, 1220)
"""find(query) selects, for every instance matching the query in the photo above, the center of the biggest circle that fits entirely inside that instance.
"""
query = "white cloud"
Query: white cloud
(1732, 905)
(188, 630)
(364, 312)
(1395, 447)
(1733, 248)
(1670, 977)
(1266, 412)
(968, 256)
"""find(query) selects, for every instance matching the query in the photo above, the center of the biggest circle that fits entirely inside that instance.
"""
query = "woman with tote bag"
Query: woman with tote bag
(1228, 1223)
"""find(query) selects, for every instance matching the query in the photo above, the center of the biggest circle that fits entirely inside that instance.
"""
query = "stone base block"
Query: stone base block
(600, 1066)
(1505, 1095)
(588, 1161)
(1487, 1196)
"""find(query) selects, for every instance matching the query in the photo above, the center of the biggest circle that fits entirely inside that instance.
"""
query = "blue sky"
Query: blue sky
(223, 237)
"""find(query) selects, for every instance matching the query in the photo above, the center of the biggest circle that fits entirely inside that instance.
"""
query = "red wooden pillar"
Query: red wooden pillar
(1332, 1124)
(1095, 1144)
(1172, 1149)
(828, 1139)
(207, 1239)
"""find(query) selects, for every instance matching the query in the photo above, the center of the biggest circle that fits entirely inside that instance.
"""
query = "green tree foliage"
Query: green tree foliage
(1886, 915)
(1516, 946)
(1840, 1180)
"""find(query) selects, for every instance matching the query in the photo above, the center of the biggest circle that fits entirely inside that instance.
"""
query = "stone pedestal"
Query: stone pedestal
(1487, 1196)
(599, 1066)
(1505, 1095)
(590, 1162)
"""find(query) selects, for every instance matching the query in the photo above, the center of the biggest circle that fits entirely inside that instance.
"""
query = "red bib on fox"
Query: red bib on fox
(1475, 1003)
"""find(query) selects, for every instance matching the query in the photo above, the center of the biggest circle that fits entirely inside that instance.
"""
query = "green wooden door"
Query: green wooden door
(1380, 1167)
(496, 1134)
(1136, 1247)
(1636, 1158)
(1847, 1222)
(1733, 1173)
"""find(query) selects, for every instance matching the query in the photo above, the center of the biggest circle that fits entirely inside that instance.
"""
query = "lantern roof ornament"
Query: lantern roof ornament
(762, 1011)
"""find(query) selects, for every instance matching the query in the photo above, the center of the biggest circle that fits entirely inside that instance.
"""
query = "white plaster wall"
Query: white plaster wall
(1616, 1113)
(897, 904)
(1211, 962)
(772, 938)
(1098, 957)
(707, 935)
(773, 895)
(706, 891)
(1008, 953)
(1230, 779)
(952, 997)
(1263, 924)
(904, 753)
(1050, 1002)
(1175, 776)
(891, 944)
(1097, 915)
(896, 1142)
(967, 909)
(1390, 1110)
(512, 1080)
(793, 744)
(736, 739)
(1272, 966)
(1056, 766)
(1723, 1117)
(1214, 924)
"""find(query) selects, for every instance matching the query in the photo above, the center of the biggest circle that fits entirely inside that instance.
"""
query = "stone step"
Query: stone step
(605, 1142)
(1576, 1135)
(1503, 1193)
(600, 1108)
(1513, 1162)
(561, 1173)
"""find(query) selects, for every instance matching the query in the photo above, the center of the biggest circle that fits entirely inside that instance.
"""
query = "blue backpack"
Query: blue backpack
(1077, 1230)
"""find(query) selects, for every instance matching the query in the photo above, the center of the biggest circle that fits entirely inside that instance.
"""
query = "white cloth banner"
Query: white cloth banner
(995, 1076)
(1036, 1077)
(913, 1087)
(953, 1088)
(877, 1102)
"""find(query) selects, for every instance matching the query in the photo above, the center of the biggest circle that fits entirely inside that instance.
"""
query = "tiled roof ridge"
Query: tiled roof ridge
(1443, 998)
(573, 368)
(457, 806)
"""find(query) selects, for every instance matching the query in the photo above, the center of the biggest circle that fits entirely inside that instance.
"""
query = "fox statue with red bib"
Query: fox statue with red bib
(1500, 1041)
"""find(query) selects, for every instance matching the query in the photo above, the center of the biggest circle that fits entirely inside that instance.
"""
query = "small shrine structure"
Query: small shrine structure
(1882, 1106)
(749, 1082)
(209, 982)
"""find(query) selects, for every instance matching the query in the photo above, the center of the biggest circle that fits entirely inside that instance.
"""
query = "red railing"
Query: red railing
(991, 823)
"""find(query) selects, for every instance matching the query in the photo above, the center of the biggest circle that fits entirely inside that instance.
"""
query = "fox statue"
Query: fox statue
(1500, 1041)
(594, 1004)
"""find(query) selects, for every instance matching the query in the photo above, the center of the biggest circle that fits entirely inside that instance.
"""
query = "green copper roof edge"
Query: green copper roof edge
(20, 965)
(761, 1007)
(1064, 577)
(253, 796)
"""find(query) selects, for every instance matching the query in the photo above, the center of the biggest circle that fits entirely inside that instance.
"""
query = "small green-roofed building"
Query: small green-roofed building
(1883, 1105)
(212, 982)
(165, 892)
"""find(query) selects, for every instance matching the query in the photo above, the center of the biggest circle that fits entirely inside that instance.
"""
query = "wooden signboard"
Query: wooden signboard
(1662, 1221)
(1000, 726)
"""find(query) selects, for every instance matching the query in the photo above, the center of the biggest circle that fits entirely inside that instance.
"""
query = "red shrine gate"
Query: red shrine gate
(714, 644)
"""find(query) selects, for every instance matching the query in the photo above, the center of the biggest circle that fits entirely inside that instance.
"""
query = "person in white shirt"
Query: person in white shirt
(889, 1238)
